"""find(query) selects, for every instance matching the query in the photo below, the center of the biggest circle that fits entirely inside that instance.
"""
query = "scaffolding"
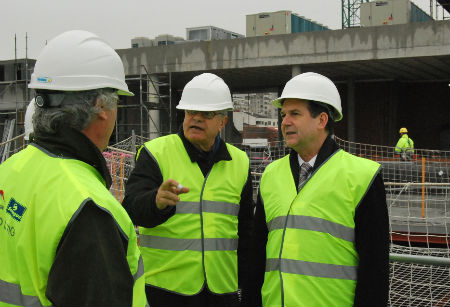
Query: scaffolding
(440, 9)
(19, 82)
(149, 113)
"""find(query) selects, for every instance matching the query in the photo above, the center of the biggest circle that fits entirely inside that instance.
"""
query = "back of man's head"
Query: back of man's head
(77, 113)
(72, 72)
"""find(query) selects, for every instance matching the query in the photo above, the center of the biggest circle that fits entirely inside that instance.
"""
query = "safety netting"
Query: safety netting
(417, 192)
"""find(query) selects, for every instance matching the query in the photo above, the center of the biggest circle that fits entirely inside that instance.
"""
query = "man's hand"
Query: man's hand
(168, 192)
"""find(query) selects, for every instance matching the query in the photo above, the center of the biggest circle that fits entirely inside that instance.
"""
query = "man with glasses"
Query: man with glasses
(191, 195)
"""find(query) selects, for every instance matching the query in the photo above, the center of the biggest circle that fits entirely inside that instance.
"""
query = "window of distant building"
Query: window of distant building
(201, 34)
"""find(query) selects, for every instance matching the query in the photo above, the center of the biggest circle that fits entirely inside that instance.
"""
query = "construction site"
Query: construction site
(391, 64)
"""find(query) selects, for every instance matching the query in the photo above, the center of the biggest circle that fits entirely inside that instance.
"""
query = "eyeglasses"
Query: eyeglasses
(204, 114)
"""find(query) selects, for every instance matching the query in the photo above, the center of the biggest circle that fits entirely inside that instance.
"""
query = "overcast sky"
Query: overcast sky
(118, 22)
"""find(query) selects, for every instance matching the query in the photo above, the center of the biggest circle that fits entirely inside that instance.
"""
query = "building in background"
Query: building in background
(167, 39)
(256, 118)
(257, 104)
(280, 22)
(208, 33)
(141, 41)
(14, 94)
(391, 12)
(160, 40)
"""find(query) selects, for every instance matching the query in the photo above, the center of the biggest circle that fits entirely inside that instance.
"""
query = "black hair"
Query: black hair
(315, 108)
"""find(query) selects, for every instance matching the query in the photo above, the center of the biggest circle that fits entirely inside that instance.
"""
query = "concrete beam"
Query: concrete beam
(360, 44)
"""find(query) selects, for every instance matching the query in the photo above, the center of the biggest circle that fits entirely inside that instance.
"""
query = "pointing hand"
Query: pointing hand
(168, 192)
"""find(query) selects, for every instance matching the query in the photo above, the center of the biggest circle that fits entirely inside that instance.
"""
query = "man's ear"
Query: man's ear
(323, 120)
(224, 122)
(101, 114)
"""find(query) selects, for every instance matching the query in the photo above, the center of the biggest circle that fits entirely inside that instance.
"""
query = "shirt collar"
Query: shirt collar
(310, 162)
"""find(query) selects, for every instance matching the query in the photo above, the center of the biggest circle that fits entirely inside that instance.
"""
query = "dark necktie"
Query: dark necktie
(304, 172)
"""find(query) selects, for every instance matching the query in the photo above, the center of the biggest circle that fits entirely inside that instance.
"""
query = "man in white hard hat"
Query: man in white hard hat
(191, 195)
(321, 222)
(66, 241)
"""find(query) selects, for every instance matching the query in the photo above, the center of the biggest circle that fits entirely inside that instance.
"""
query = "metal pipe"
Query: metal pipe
(418, 183)
(420, 259)
(423, 187)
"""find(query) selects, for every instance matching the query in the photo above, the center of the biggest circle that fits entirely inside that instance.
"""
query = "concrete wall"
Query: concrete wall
(373, 43)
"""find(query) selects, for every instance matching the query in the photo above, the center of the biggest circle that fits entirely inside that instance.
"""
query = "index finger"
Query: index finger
(169, 185)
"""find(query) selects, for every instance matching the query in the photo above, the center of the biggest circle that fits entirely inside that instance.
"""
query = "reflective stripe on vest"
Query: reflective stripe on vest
(311, 234)
(208, 206)
(11, 294)
(199, 242)
(174, 244)
(311, 268)
(52, 201)
(313, 223)
(140, 270)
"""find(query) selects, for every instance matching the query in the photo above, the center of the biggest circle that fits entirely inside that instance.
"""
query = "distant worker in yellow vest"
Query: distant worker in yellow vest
(405, 145)
(191, 195)
(321, 221)
(65, 240)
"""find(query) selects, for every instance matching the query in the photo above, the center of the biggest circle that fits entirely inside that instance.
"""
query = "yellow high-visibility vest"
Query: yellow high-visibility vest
(35, 212)
(199, 243)
(311, 256)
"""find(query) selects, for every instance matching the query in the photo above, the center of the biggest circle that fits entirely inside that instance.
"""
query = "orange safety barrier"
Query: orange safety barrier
(423, 187)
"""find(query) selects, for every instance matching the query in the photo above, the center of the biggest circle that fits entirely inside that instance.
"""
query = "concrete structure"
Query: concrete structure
(417, 51)
(388, 76)
(208, 33)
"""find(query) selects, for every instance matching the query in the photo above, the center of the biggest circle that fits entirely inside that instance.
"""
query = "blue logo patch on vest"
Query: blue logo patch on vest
(16, 210)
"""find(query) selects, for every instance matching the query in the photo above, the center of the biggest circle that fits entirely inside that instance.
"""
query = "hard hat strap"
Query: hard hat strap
(57, 99)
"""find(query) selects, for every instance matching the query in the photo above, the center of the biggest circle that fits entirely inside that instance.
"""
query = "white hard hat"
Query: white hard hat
(78, 61)
(29, 119)
(206, 92)
(313, 86)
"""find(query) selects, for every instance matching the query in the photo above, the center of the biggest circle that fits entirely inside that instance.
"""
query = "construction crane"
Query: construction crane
(350, 13)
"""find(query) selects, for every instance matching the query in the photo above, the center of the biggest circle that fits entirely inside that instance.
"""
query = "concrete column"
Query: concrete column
(154, 114)
(350, 111)
(296, 70)
(390, 133)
